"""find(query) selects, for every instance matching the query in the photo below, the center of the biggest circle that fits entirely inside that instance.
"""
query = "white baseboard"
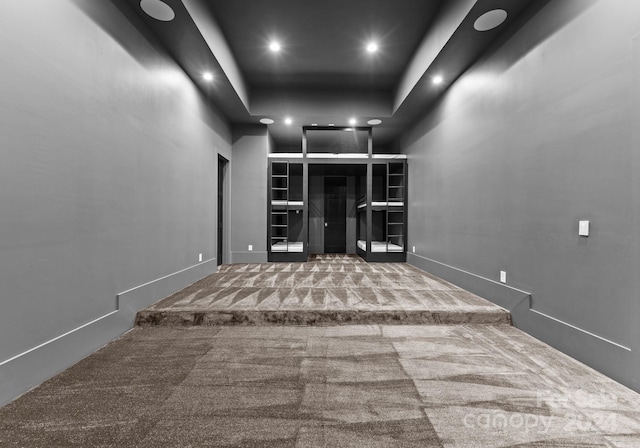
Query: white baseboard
(609, 357)
(26, 370)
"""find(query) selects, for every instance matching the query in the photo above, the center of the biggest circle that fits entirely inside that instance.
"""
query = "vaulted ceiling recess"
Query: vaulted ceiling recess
(319, 63)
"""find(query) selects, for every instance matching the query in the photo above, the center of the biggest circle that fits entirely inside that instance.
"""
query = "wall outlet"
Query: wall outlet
(583, 228)
(250, 247)
(200, 257)
(503, 276)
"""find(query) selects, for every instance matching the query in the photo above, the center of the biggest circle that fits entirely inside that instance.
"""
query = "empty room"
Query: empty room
(298, 223)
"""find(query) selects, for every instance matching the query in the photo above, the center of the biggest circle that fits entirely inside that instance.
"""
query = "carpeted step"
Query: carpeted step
(328, 290)
(174, 317)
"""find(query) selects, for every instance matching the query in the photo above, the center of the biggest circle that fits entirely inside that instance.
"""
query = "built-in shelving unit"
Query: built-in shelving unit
(382, 221)
(396, 199)
(381, 224)
(287, 211)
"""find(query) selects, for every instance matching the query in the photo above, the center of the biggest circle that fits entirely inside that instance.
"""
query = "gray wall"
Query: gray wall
(249, 194)
(316, 214)
(352, 212)
(542, 133)
(107, 182)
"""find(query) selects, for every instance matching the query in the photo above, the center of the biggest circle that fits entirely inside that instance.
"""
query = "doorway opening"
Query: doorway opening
(332, 197)
(222, 175)
(335, 215)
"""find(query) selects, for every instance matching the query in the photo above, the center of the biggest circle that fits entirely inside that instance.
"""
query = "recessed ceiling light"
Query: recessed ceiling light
(438, 79)
(266, 121)
(372, 47)
(288, 121)
(275, 46)
(353, 121)
(331, 124)
(490, 20)
(374, 122)
(207, 76)
(314, 124)
(157, 9)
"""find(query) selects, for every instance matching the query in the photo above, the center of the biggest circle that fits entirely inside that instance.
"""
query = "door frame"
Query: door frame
(222, 210)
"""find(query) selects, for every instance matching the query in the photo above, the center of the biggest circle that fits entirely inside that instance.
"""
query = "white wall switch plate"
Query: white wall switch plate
(200, 257)
(583, 228)
(503, 276)
(250, 247)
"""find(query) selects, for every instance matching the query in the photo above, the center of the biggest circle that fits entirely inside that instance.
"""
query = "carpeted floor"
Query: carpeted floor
(328, 290)
(345, 386)
(369, 385)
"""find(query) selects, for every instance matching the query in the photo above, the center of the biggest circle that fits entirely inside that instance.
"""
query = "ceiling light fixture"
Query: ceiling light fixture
(274, 46)
(353, 121)
(331, 124)
(288, 121)
(372, 47)
(266, 121)
(374, 122)
(438, 79)
(207, 76)
(490, 20)
(157, 9)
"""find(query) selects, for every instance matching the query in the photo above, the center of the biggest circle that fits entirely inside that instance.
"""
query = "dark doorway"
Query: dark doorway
(222, 170)
(335, 215)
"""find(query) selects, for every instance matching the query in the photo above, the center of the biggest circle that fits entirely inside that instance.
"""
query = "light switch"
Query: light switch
(583, 228)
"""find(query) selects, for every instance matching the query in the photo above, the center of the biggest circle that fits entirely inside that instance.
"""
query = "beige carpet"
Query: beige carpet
(479, 386)
(328, 290)
(370, 386)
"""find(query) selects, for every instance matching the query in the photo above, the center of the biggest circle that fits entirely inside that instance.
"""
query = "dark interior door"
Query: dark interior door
(222, 167)
(335, 215)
